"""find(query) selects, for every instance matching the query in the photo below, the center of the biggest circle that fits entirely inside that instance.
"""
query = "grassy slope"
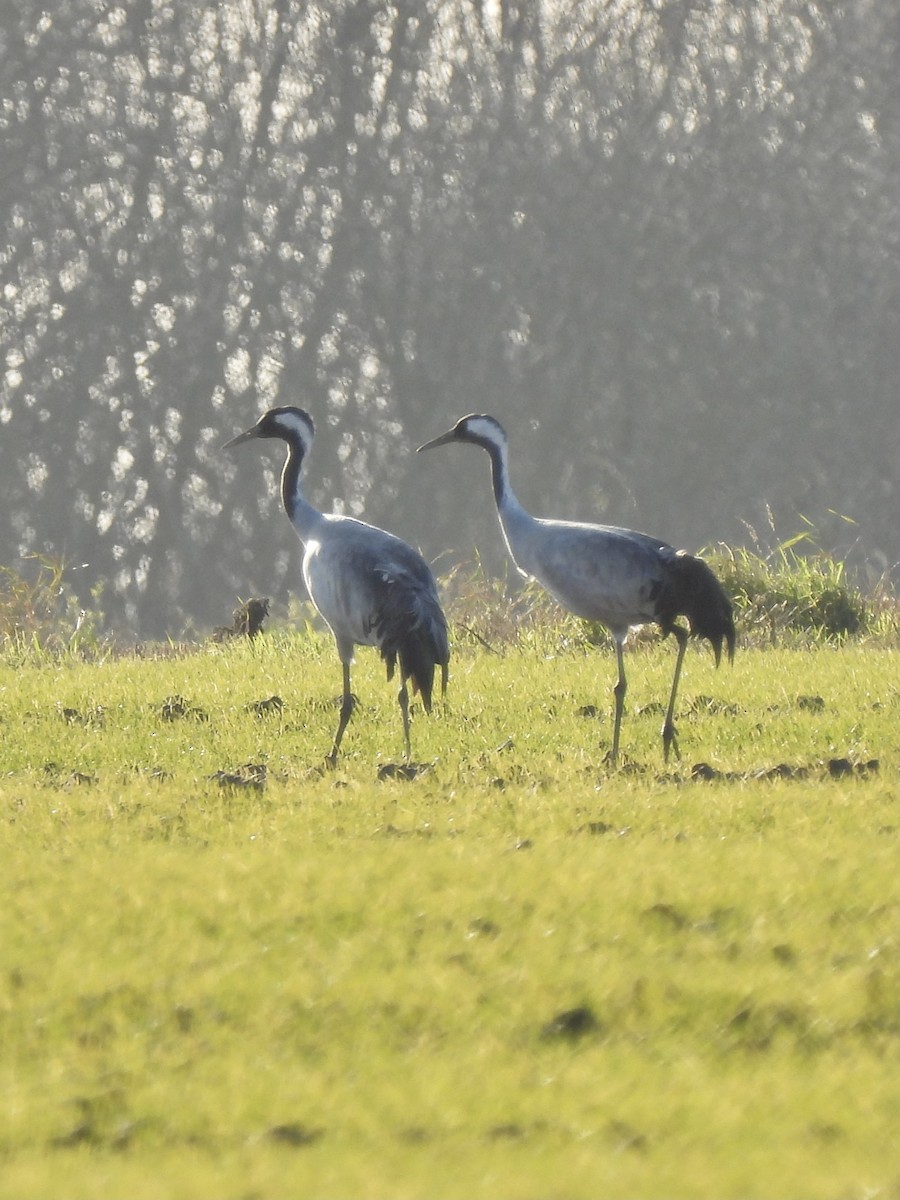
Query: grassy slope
(337, 986)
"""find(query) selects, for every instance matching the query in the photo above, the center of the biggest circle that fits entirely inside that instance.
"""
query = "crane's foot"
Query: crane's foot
(331, 760)
(670, 741)
(622, 762)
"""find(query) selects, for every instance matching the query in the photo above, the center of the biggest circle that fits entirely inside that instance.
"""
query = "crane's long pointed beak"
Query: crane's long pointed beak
(246, 436)
(449, 436)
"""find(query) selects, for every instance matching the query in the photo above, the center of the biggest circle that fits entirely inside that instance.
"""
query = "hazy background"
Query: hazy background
(659, 239)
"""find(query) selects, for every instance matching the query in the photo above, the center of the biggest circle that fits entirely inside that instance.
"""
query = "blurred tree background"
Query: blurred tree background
(657, 238)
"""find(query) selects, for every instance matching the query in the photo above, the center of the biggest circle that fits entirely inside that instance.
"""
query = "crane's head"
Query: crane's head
(293, 425)
(479, 429)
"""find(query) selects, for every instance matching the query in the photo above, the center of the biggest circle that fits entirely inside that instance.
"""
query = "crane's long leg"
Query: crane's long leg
(669, 733)
(619, 692)
(346, 710)
(403, 698)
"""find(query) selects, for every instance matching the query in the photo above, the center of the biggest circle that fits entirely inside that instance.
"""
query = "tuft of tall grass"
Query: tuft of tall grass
(493, 612)
(796, 588)
(39, 612)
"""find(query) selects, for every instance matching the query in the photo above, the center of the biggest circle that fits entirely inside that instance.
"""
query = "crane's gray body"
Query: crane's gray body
(598, 572)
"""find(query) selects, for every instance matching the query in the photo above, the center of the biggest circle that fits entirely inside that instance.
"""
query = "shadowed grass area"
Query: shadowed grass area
(229, 971)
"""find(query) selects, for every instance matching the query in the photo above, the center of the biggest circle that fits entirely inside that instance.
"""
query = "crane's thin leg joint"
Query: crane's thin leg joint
(403, 700)
(669, 732)
(346, 710)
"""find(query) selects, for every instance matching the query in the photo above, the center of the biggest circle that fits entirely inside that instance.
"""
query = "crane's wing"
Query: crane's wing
(375, 590)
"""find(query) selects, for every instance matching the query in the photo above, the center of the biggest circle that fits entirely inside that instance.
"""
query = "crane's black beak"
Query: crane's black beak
(449, 436)
(246, 436)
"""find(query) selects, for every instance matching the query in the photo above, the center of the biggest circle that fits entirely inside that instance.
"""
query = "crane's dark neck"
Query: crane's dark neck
(303, 516)
(518, 526)
(500, 473)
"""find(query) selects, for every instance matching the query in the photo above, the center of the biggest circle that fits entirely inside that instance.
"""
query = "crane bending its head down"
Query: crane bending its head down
(371, 588)
(618, 577)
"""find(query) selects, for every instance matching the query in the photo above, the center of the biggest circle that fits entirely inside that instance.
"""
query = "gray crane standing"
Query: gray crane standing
(618, 577)
(371, 588)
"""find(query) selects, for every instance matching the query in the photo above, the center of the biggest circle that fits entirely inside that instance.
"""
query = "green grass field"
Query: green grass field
(229, 972)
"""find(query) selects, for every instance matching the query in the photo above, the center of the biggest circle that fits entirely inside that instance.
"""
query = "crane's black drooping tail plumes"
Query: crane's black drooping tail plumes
(692, 590)
(413, 629)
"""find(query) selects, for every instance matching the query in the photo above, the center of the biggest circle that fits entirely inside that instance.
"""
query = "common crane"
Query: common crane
(599, 572)
(371, 588)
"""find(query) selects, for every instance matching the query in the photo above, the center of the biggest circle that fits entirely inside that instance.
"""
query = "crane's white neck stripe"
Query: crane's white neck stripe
(294, 427)
(487, 430)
